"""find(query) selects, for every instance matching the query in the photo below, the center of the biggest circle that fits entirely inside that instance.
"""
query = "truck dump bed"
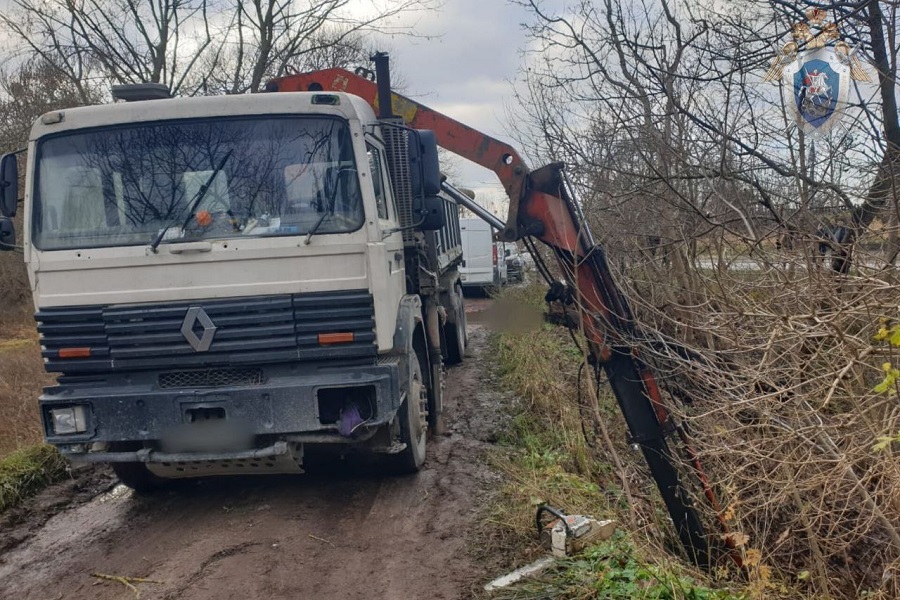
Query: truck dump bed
(445, 249)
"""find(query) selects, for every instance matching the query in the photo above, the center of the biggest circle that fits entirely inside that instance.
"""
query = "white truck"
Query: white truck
(221, 282)
(481, 266)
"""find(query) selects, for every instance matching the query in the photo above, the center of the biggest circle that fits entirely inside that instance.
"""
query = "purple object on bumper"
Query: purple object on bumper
(350, 419)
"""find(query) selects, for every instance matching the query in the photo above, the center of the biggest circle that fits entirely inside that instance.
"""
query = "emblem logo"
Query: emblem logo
(818, 90)
(197, 316)
(817, 80)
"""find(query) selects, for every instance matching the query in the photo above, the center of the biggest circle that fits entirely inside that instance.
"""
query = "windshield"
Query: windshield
(243, 177)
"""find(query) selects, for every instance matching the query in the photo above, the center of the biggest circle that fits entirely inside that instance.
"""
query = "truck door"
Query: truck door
(388, 280)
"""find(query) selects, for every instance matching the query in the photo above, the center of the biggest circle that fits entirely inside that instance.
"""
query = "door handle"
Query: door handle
(190, 247)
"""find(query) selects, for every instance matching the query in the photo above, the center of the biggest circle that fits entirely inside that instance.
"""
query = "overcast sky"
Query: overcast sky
(464, 67)
(467, 71)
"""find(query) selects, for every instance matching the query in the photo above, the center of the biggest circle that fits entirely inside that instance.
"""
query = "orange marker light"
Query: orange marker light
(74, 352)
(204, 219)
(335, 338)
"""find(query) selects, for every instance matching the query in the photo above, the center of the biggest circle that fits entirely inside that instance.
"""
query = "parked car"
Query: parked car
(500, 262)
(527, 260)
(515, 264)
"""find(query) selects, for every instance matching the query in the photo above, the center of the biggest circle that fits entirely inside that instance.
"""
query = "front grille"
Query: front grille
(248, 331)
(210, 378)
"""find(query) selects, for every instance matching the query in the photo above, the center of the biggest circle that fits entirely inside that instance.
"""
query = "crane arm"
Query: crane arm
(453, 136)
(542, 205)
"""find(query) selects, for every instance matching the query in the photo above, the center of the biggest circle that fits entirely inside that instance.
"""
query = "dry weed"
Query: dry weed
(22, 377)
(770, 361)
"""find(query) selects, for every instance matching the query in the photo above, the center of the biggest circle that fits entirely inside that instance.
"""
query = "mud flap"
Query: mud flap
(409, 316)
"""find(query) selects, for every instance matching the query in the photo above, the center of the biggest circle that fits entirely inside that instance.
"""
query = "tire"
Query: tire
(412, 422)
(455, 333)
(136, 476)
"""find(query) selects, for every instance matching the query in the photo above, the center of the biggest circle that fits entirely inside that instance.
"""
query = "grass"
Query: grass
(612, 570)
(22, 377)
(547, 459)
(27, 471)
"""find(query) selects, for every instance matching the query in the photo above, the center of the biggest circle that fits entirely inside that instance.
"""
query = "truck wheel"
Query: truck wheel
(413, 422)
(456, 335)
(136, 476)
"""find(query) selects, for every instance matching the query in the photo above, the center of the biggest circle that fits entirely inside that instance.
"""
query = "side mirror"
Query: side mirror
(9, 185)
(425, 168)
(507, 253)
(430, 211)
(7, 234)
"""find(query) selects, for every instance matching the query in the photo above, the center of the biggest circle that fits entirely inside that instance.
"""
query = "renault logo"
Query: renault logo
(196, 315)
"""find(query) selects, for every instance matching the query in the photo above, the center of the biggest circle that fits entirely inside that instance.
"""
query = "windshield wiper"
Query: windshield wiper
(332, 197)
(315, 227)
(329, 210)
(194, 203)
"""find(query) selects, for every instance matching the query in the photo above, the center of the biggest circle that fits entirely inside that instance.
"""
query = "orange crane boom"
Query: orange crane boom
(542, 206)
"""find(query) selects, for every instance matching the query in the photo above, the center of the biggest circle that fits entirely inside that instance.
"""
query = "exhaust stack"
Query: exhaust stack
(383, 81)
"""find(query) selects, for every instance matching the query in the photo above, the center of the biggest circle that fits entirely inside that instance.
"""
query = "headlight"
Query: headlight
(68, 420)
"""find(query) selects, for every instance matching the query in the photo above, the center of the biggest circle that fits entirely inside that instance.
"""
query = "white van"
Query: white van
(480, 256)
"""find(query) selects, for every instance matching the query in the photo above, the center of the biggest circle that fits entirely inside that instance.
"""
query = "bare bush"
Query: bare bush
(720, 221)
(779, 399)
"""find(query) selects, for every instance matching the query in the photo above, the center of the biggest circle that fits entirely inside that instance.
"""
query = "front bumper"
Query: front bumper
(147, 455)
(293, 404)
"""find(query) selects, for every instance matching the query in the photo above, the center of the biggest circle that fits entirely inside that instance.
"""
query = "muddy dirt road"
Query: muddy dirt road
(343, 534)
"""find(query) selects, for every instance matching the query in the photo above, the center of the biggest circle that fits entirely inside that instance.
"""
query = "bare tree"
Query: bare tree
(32, 89)
(676, 70)
(195, 46)
(275, 36)
(233, 68)
(690, 168)
(126, 41)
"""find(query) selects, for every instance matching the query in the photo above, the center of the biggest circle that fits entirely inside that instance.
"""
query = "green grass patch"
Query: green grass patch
(612, 570)
(27, 471)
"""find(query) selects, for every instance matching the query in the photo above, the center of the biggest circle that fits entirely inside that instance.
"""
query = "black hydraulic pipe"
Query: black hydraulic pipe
(623, 372)
(383, 83)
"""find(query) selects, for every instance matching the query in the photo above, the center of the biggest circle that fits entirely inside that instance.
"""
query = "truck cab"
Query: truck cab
(221, 282)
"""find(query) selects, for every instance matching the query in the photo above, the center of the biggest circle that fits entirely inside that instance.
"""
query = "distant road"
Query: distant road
(752, 264)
